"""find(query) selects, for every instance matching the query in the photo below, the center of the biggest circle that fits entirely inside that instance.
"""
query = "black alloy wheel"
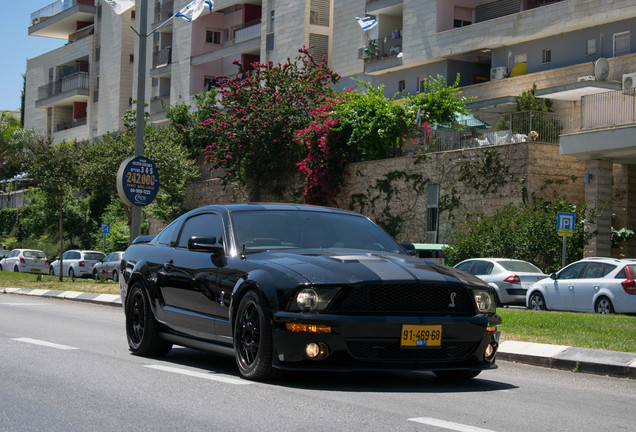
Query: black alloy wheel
(253, 346)
(537, 302)
(142, 329)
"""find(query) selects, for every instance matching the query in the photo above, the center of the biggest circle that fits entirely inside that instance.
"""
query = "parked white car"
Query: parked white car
(510, 278)
(108, 268)
(26, 261)
(601, 285)
(77, 263)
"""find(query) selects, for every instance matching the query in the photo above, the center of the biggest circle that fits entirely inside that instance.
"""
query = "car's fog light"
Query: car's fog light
(316, 350)
(490, 351)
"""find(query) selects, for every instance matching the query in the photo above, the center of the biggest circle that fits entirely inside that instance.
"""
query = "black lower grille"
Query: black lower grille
(380, 350)
(415, 299)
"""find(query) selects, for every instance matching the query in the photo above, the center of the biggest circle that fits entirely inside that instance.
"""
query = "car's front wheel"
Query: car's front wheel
(462, 374)
(142, 329)
(115, 276)
(253, 344)
(537, 302)
(603, 306)
(51, 271)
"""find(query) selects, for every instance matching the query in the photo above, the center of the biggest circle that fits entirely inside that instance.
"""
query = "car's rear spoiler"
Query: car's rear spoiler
(143, 239)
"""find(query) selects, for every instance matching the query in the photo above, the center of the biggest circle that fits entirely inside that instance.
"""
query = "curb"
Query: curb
(104, 299)
(582, 360)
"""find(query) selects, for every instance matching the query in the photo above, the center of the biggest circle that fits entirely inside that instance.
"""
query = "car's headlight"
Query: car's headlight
(484, 301)
(313, 299)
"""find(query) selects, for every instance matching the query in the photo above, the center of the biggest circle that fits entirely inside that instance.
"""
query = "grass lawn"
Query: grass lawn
(608, 332)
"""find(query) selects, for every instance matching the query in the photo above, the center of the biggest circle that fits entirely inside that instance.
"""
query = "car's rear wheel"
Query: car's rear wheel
(16, 269)
(142, 329)
(1, 268)
(51, 271)
(462, 374)
(253, 346)
(71, 272)
(603, 306)
(537, 302)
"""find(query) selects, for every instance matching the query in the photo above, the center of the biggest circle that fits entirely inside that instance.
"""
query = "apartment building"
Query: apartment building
(580, 53)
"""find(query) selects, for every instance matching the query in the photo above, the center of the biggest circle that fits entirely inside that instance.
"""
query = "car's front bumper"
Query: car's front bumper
(373, 342)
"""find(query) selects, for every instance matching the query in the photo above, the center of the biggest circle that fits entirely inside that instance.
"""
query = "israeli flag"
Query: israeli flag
(120, 6)
(366, 23)
(193, 9)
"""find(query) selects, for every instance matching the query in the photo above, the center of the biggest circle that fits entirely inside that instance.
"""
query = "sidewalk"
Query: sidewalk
(584, 360)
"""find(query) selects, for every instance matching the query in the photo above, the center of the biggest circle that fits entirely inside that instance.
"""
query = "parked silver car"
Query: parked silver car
(601, 285)
(26, 261)
(77, 263)
(509, 277)
(108, 268)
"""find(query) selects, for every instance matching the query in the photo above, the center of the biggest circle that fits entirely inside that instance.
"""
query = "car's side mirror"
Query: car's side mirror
(409, 248)
(208, 244)
(553, 276)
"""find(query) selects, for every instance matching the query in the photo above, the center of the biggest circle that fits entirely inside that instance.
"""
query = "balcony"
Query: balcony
(248, 31)
(501, 8)
(607, 127)
(163, 12)
(63, 92)
(161, 58)
(247, 40)
(60, 19)
(382, 53)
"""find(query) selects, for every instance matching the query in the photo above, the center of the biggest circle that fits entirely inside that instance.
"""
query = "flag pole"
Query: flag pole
(142, 18)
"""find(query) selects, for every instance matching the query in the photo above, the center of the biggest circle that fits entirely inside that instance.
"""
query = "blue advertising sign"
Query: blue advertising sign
(565, 224)
(137, 181)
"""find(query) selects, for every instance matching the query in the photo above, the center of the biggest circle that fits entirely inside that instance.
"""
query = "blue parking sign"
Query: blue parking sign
(565, 224)
(105, 228)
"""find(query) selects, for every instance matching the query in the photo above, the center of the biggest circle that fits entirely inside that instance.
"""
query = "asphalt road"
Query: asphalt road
(65, 366)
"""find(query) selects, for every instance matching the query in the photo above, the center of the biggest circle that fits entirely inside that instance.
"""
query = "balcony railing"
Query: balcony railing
(512, 128)
(608, 109)
(501, 8)
(56, 8)
(162, 57)
(377, 49)
(77, 122)
(79, 80)
(248, 31)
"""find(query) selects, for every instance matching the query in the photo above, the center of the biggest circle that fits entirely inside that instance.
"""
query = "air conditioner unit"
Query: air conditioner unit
(498, 73)
(629, 81)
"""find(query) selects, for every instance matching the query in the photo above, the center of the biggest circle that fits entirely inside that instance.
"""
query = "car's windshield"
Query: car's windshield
(268, 229)
(519, 266)
(93, 256)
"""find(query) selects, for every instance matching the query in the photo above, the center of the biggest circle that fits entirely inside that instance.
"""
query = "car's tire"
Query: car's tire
(603, 305)
(253, 345)
(16, 269)
(497, 301)
(462, 374)
(537, 302)
(51, 271)
(115, 276)
(71, 272)
(142, 329)
(95, 275)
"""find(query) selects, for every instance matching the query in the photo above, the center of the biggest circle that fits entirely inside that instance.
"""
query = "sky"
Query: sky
(18, 47)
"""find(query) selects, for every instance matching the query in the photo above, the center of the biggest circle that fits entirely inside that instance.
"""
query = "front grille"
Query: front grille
(389, 350)
(405, 299)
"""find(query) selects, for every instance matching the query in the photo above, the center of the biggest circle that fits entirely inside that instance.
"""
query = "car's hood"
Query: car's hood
(351, 267)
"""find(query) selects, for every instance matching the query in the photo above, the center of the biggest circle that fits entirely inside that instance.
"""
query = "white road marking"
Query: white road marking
(448, 425)
(45, 343)
(207, 375)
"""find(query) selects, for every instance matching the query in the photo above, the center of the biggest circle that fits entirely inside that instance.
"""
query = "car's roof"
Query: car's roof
(273, 206)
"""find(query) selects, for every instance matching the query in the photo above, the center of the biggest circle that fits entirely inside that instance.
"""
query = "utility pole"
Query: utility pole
(142, 20)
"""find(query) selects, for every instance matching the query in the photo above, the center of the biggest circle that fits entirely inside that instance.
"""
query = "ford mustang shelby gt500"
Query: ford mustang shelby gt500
(301, 287)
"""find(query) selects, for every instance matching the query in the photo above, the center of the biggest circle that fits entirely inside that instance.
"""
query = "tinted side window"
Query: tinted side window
(593, 271)
(465, 266)
(206, 224)
(572, 272)
(482, 268)
(74, 255)
(168, 236)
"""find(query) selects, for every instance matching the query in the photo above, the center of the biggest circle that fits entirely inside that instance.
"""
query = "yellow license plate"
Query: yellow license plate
(421, 335)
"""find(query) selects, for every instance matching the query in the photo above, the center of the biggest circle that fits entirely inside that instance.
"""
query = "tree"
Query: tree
(54, 168)
(13, 141)
(189, 123)
(251, 139)
(527, 232)
(101, 161)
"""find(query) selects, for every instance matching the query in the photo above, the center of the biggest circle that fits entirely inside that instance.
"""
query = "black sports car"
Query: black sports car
(302, 287)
